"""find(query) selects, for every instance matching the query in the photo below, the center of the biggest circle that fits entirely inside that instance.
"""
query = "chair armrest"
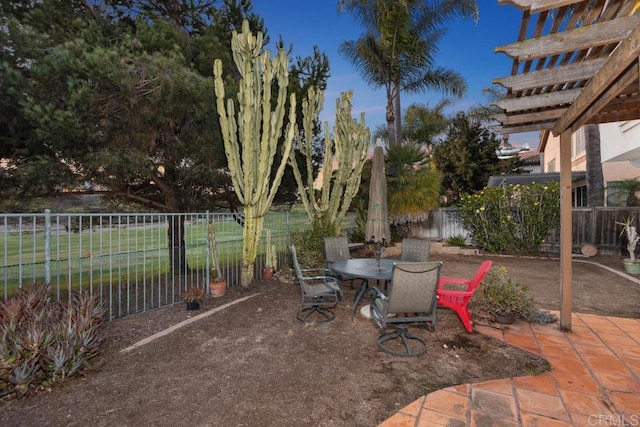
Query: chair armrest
(445, 292)
(444, 279)
(378, 292)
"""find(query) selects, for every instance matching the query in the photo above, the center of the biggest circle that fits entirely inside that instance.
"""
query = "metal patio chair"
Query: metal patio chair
(319, 292)
(336, 249)
(415, 250)
(410, 298)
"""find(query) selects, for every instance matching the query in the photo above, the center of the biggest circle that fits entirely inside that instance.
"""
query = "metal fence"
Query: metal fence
(127, 262)
(126, 259)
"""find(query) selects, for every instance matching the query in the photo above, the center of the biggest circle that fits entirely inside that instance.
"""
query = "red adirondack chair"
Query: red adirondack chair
(458, 300)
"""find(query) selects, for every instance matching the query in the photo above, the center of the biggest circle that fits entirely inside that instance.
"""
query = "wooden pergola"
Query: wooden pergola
(576, 62)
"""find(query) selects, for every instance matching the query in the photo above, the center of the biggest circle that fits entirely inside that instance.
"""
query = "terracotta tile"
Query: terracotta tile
(496, 404)
(542, 404)
(572, 365)
(479, 419)
(491, 331)
(580, 383)
(413, 408)
(519, 327)
(580, 403)
(628, 325)
(626, 402)
(549, 329)
(503, 386)
(618, 340)
(433, 418)
(617, 382)
(546, 340)
(591, 350)
(631, 361)
(635, 336)
(605, 364)
(398, 420)
(535, 420)
(541, 383)
(527, 343)
(461, 389)
(447, 403)
(563, 351)
(585, 338)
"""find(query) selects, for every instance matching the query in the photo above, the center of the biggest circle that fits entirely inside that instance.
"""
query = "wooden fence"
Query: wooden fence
(591, 225)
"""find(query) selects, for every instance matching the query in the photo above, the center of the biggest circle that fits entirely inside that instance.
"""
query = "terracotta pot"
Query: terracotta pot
(267, 273)
(505, 318)
(218, 288)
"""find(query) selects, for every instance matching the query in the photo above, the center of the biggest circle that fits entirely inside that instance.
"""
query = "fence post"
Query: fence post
(47, 246)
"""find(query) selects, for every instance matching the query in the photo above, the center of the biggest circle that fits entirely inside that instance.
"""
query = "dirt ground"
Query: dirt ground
(254, 364)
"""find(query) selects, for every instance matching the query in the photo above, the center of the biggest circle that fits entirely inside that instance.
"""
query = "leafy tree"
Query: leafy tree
(422, 124)
(399, 47)
(413, 186)
(466, 158)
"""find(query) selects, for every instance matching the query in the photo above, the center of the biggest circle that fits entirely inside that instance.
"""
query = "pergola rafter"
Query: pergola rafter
(575, 62)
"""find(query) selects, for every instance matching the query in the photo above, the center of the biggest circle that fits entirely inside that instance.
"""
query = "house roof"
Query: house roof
(531, 178)
(575, 62)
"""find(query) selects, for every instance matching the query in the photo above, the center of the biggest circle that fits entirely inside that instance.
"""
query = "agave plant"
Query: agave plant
(632, 236)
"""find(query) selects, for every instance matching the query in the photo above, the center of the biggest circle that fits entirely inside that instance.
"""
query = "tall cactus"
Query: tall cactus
(347, 150)
(251, 139)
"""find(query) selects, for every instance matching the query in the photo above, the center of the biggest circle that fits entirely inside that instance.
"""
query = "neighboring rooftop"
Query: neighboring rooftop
(531, 178)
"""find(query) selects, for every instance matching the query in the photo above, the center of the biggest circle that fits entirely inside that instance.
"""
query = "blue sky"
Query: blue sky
(467, 47)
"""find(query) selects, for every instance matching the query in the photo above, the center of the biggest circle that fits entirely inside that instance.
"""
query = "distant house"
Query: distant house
(620, 156)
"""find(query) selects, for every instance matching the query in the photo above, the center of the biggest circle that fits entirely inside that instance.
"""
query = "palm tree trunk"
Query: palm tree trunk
(594, 176)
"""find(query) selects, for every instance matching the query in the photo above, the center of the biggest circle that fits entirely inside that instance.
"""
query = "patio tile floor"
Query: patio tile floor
(594, 380)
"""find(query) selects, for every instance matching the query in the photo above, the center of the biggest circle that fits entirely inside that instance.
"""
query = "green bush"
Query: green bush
(500, 294)
(44, 341)
(513, 219)
(310, 243)
(457, 240)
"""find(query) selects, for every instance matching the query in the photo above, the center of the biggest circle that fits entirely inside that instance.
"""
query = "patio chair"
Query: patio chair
(458, 299)
(415, 250)
(319, 292)
(336, 249)
(410, 298)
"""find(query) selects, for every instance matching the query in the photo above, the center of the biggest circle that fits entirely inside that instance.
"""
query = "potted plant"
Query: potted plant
(501, 299)
(631, 264)
(271, 261)
(193, 297)
(217, 283)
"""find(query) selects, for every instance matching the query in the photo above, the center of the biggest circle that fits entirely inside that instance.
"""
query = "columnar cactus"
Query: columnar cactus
(251, 139)
(346, 149)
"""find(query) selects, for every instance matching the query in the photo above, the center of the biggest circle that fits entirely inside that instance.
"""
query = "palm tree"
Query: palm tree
(399, 47)
(594, 176)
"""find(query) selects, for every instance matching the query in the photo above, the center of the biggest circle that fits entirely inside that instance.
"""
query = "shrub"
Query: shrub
(44, 341)
(310, 243)
(457, 240)
(501, 294)
(513, 219)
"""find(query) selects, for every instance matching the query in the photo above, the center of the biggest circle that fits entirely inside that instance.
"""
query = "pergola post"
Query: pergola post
(565, 230)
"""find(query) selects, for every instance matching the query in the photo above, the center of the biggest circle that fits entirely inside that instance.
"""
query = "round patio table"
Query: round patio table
(365, 269)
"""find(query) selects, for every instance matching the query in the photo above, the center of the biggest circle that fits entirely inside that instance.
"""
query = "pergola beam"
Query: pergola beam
(535, 6)
(542, 100)
(552, 76)
(577, 39)
(626, 53)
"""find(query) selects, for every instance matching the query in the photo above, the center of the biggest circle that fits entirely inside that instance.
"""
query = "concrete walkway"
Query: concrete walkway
(594, 381)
